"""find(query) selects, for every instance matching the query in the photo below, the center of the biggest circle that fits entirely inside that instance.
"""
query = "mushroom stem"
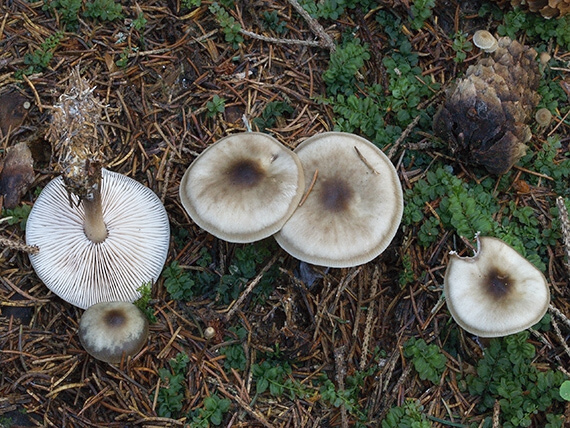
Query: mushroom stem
(94, 226)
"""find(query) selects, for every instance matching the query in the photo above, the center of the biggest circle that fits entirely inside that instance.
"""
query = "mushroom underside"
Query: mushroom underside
(84, 273)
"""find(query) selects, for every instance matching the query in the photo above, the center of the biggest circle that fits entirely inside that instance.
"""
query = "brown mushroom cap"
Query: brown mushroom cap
(111, 331)
(82, 272)
(354, 209)
(496, 292)
(243, 188)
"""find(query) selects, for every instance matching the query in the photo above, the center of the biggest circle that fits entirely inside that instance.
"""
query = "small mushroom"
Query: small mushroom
(544, 57)
(243, 188)
(352, 209)
(543, 117)
(111, 331)
(83, 270)
(496, 292)
(485, 41)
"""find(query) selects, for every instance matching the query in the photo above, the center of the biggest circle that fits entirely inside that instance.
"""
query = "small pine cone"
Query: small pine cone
(485, 115)
(547, 8)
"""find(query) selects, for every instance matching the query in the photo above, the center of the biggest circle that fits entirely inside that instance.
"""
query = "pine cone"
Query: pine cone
(485, 114)
(547, 8)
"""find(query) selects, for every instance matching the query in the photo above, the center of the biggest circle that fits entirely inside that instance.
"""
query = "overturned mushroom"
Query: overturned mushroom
(351, 211)
(111, 331)
(496, 292)
(84, 271)
(101, 235)
(243, 188)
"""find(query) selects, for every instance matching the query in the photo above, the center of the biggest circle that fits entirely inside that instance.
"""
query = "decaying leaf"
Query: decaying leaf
(16, 175)
(12, 111)
(485, 115)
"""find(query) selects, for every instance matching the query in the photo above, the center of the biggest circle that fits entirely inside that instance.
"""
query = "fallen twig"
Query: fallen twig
(316, 28)
(237, 303)
(17, 245)
(565, 227)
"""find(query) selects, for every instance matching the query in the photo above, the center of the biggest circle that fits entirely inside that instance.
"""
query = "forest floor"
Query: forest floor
(373, 345)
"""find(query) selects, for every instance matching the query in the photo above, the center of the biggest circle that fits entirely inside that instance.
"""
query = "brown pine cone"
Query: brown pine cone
(485, 115)
(547, 8)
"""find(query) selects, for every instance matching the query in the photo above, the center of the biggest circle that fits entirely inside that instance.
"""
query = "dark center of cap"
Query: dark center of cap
(498, 284)
(115, 318)
(335, 195)
(245, 173)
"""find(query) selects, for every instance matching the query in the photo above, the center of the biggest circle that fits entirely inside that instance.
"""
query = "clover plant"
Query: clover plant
(171, 393)
(409, 415)
(506, 373)
(428, 360)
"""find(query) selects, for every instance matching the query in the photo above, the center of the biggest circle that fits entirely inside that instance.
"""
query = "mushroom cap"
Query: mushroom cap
(353, 210)
(485, 40)
(110, 330)
(243, 188)
(82, 272)
(543, 117)
(496, 292)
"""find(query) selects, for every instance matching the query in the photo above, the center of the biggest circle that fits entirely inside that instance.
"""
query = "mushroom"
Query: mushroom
(243, 188)
(111, 331)
(543, 117)
(485, 40)
(101, 235)
(496, 292)
(352, 209)
(544, 57)
(112, 266)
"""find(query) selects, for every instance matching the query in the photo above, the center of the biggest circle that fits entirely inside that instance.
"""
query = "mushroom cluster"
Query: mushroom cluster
(248, 186)
(485, 116)
(496, 292)
(101, 235)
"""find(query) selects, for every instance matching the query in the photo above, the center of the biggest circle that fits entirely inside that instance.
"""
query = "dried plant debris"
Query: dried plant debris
(547, 8)
(484, 118)
(16, 174)
(565, 227)
(13, 110)
(74, 137)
